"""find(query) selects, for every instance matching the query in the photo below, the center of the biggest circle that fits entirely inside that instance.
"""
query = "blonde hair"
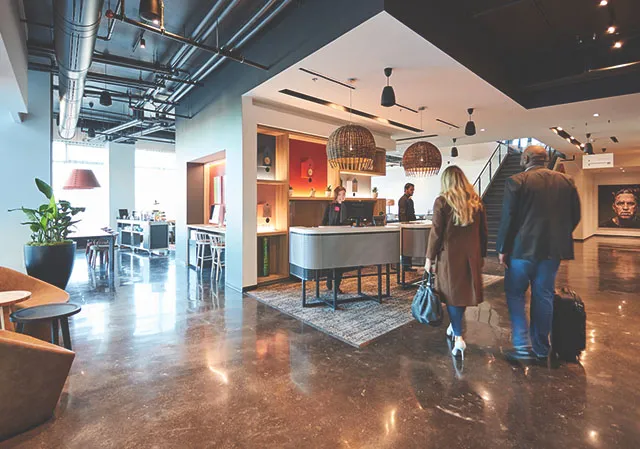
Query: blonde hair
(460, 195)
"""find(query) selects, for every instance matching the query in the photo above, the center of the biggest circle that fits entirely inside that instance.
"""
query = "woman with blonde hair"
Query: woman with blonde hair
(458, 240)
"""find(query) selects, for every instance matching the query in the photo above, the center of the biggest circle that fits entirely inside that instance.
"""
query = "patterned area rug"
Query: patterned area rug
(358, 323)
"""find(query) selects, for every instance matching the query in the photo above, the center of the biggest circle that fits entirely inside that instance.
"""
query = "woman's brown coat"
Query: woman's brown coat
(460, 252)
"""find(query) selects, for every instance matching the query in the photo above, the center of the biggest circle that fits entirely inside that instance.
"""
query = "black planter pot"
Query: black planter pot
(52, 264)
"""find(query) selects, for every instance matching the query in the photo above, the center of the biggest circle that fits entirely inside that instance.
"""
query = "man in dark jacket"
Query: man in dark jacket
(541, 208)
(407, 212)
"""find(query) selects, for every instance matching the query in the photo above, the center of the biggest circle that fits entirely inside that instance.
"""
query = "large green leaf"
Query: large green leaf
(44, 188)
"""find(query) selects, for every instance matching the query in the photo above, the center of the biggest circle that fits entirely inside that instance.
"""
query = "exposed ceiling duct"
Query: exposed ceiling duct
(76, 24)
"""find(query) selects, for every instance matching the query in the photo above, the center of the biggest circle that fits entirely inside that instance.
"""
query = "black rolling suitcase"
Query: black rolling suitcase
(569, 332)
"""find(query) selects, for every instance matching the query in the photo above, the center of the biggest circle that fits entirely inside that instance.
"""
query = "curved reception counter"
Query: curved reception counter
(414, 238)
(315, 251)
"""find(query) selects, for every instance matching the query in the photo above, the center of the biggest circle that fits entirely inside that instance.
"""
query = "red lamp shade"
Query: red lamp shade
(81, 179)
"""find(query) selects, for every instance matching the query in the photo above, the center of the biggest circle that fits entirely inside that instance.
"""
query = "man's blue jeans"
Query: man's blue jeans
(541, 275)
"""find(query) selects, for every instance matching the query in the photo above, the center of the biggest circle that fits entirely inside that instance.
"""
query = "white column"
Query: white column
(25, 151)
(122, 185)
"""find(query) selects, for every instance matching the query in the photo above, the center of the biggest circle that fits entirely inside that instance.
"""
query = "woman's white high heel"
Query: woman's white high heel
(459, 347)
(450, 331)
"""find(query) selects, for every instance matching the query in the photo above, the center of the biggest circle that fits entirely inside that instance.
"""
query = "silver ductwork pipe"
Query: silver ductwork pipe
(76, 24)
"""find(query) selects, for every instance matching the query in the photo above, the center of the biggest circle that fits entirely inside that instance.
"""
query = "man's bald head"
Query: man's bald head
(533, 156)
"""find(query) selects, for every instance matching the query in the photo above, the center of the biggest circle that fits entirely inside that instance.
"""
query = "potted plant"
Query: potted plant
(374, 191)
(49, 256)
(327, 191)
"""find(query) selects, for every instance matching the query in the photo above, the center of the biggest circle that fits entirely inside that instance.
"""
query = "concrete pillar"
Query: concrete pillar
(25, 151)
(122, 184)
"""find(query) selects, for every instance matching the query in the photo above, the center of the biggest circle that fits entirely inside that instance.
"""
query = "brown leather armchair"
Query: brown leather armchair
(41, 293)
(32, 377)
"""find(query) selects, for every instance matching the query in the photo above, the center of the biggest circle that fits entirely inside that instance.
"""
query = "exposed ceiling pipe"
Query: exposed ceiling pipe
(185, 40)
(112, 24)
(204, 28)
(144, 132)
(117, 129)
(207, 68)
(128, 63)
(76, 24)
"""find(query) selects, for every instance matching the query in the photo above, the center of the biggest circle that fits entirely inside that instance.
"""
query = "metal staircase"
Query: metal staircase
(503, 163)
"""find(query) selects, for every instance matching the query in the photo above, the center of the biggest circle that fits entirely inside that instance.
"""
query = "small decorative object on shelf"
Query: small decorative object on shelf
(374, 192)
(354, 186)
(312, 193)
(290, 191)
(390, 203)
(265, 256)
(327, 192)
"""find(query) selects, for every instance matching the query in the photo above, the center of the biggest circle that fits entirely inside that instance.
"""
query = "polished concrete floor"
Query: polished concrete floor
(164, 362)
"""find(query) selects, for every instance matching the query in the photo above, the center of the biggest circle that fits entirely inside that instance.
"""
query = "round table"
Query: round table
(7, 299)
(55, 313)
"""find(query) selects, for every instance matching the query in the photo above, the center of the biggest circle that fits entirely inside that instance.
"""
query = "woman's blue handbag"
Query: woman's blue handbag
(426, 306)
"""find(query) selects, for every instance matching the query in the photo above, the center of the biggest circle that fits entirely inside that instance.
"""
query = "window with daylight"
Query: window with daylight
(69, 156)
(156, 182)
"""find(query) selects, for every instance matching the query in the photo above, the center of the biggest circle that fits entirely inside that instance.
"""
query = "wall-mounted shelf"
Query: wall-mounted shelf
(271, 233)
(361, 173)
(271, 182)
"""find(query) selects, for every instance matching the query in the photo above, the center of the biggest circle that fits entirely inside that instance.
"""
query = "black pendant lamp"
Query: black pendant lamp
(388, 98)
(91, 133)
(105, 98)
(151, 11)
(454, 149)
(588, 147)
(470, 128)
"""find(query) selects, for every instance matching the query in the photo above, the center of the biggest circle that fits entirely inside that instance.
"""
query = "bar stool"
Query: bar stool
(203, 241)
(101, 248)
(217, 247)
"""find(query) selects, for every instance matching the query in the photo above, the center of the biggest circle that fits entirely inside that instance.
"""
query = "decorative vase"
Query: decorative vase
(290, 193)
(52, 264)
(327, 193)
(312, 193)
(375, 195)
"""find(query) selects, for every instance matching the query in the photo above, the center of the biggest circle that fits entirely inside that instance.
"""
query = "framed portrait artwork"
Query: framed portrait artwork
(618, 206)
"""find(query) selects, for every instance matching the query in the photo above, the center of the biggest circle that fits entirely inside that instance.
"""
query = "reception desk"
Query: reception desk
(315, 251)
(149, 236)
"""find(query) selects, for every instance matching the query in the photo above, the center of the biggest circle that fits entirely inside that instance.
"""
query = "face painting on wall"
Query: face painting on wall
(618, 206)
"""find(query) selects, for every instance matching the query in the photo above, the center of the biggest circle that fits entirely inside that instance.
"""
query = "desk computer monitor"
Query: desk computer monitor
(123, 213)
(360, 212)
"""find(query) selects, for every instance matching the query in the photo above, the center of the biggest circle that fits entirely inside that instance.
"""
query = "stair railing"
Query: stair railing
(491, 168)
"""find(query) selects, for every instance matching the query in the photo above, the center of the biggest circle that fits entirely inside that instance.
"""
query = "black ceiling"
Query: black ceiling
(539, 52)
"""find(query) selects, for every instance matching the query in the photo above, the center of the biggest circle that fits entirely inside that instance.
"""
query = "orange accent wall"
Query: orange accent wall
(299, 151)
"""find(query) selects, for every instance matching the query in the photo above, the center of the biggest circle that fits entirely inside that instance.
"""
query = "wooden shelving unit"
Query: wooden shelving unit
(305, 210)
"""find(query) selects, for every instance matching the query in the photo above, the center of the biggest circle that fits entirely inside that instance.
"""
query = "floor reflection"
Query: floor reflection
(167, 358)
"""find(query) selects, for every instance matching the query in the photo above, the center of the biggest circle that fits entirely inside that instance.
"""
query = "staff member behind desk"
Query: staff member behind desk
(336, 215)
(407, 212)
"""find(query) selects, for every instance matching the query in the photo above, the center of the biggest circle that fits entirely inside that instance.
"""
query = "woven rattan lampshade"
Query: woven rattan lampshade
(351, 147)
(422, 159)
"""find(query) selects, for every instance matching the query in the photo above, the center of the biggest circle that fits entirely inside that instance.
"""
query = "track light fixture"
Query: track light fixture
(388, 98)
(454, 149)
(143, 43)
(91, 133)
(105, 98)
(151, 11)
(470, 128)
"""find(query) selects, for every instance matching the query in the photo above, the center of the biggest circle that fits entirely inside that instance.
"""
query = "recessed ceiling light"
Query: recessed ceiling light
(568, 140)
(618, 44)
(611, 29)
(604, 2)
(559, 128)
(596, 115)
(482, 130)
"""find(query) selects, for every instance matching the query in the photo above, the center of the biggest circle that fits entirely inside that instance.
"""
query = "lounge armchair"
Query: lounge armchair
(32, 377)
(41, 293)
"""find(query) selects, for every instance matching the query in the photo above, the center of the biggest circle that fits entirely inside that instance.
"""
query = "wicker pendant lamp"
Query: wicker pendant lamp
(351, 147)
(422, 159)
